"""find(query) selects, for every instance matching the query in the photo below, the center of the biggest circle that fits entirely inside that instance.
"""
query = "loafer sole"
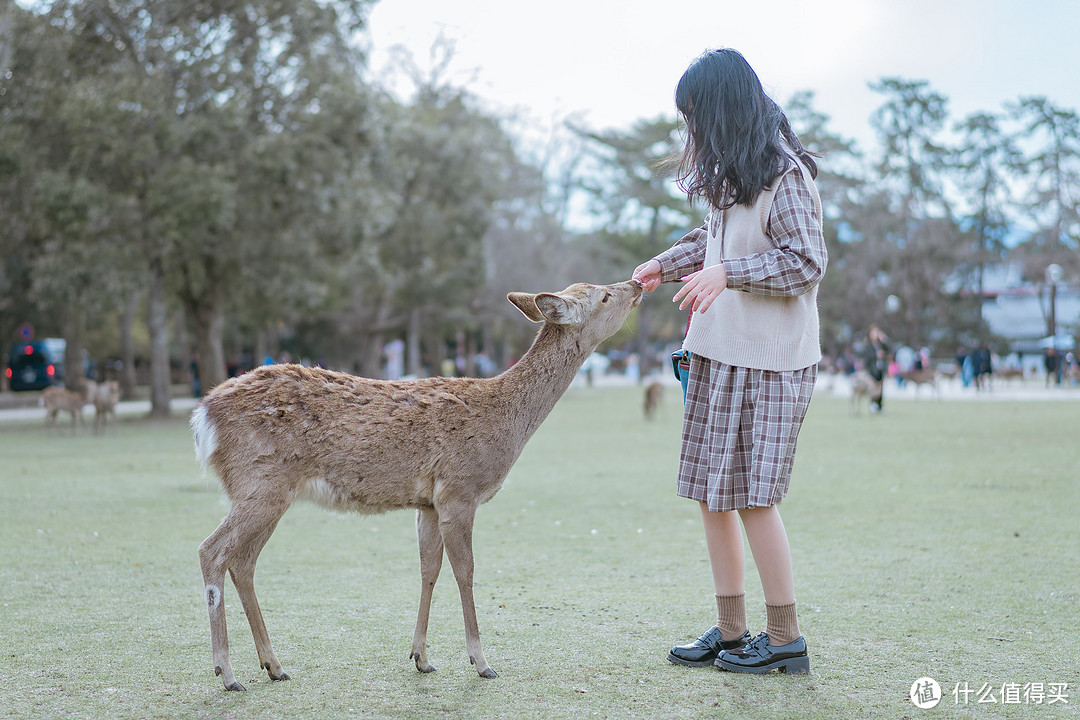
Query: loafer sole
(791, 666)
(689, 663)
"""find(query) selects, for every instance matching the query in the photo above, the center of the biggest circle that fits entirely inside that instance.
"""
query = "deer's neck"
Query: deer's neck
(536, 382)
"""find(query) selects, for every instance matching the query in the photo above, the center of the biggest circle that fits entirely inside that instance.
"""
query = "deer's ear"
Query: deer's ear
(526, 303)
(559, 309)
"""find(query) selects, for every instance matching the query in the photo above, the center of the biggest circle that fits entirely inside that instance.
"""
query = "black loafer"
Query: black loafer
(758, 656)
(705, 649)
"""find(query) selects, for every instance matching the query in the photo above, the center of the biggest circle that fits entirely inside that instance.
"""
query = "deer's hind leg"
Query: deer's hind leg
(235, 546)
(431, 556)
(242, 571)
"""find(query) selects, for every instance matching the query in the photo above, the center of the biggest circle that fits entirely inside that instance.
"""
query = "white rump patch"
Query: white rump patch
(205, 437)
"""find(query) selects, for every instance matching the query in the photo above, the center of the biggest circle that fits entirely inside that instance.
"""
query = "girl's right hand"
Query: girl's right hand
(648, 274)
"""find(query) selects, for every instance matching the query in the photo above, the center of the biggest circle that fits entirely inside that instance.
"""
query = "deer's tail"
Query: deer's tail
(205, 436)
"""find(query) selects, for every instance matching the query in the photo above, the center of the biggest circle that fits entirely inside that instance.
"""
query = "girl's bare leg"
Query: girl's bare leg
(772, 554)
(723, 538)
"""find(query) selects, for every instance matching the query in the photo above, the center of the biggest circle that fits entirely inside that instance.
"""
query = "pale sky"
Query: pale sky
(609, 63)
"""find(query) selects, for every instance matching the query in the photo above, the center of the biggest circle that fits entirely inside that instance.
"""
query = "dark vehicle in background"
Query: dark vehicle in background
(36, 364)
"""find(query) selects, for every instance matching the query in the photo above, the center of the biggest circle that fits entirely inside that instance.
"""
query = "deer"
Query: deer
(654, 396)
(441, 446)
(105, 397)
(57, 399)
(1008, 374)
(863, 385)
(920, 377)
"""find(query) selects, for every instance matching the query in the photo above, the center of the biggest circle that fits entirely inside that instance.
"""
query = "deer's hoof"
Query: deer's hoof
(488, 673)
(422, 664)
(234, 685)
(275, 671)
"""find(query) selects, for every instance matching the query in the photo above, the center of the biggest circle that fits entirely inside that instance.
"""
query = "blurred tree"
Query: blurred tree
(984, 161)
(439, 167)
(1051, 141)
(27, 48)
(912, 160)
(264, 73)
(919, 248)
(642, 214)
(526, 247)
(61, 226)
(309, 192)
(209, 90)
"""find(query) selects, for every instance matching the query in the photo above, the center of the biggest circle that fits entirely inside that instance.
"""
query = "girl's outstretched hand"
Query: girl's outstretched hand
(701, 288)
(648, 274)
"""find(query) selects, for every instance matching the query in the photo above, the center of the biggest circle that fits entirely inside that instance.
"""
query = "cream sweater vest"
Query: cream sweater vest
(764, 332)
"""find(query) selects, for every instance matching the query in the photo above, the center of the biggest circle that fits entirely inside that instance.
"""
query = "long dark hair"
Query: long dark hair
(735, 132)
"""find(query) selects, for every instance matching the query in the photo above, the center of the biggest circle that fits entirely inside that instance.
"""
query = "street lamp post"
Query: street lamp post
(1053, 275)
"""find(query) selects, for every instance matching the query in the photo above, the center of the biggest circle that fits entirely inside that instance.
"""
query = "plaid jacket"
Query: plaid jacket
(774, 255)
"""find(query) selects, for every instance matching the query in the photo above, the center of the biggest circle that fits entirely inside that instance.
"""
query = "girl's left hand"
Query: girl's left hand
(701, 288)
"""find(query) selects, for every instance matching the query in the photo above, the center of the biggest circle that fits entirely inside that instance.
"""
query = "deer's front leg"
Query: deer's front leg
(456, 530)
(431, 556)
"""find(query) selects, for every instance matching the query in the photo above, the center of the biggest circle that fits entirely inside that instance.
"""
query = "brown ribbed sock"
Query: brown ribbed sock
(781, 624)
(731, 616)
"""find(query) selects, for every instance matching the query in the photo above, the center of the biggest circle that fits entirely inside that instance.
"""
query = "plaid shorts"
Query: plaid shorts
(740, 427)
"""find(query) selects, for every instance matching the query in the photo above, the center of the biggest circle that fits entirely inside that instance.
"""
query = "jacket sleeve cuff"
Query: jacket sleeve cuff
(738, 272)
(684, 257)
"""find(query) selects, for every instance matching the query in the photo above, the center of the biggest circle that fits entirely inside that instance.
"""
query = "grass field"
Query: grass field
(939, 539)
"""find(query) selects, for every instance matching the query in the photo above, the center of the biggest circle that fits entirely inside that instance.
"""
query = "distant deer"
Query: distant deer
(1008, 374)
(920, 377)
(863, 387)
(440, 445)
(58, 399)
(105, 397)
(654, 395)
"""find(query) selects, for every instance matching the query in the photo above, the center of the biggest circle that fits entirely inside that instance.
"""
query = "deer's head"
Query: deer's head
(596, 312)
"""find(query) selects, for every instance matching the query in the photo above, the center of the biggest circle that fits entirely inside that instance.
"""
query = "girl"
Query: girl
(750, 277)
